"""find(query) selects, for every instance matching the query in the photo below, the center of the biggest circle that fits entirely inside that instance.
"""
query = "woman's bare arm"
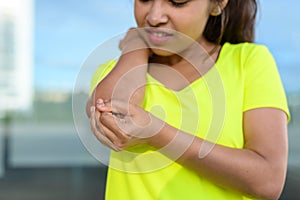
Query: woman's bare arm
(258, 170)
(127, 79)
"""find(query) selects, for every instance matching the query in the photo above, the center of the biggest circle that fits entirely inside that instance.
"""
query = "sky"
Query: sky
(66, 32)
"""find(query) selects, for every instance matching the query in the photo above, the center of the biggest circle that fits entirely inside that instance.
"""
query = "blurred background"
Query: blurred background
(43, 44)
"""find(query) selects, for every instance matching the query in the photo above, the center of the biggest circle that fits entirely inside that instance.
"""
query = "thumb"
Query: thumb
(104, 107)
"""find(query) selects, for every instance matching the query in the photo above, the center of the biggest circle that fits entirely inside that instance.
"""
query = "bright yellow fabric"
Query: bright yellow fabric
(245, 77)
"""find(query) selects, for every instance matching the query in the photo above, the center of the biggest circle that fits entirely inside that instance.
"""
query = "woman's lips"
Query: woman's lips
(158, 37)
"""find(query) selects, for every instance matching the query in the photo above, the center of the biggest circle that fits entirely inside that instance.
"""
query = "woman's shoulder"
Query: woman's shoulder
(245, 47)
(244, 51)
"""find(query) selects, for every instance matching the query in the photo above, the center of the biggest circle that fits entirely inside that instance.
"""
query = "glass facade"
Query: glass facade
(7, 62)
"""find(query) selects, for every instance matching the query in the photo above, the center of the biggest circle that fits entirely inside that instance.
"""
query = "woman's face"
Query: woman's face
(163, 18)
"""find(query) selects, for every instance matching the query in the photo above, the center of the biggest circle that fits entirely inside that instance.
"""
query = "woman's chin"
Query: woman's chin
(161, 52)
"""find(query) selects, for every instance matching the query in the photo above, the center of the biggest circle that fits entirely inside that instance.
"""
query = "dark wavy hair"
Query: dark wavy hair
(236, 24)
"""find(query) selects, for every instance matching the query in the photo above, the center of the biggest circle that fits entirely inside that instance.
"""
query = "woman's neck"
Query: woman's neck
(204, 48)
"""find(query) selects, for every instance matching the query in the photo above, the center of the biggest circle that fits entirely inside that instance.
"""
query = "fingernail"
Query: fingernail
(100, 102)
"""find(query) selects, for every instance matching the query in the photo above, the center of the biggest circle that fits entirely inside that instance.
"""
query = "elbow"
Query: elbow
(270, 192)
(88, 107)
(269, 181)
(270, 189)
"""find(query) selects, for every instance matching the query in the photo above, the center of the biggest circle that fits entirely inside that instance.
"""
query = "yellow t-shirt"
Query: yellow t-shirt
(245, 77)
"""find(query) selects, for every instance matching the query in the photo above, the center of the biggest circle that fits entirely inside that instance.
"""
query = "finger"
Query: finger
(105, 141)
(112, 137)
(122, 122)
(104, 130)
(103, 133)
(95, 130)
(103, 106)
(116, 125)
(116, 107)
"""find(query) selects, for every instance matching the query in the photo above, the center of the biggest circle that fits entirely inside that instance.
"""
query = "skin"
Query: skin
(134, 59)
(189, 19)
(257, 170)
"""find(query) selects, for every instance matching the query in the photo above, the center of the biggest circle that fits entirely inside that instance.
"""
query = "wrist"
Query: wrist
(137, 55)
(137, 49)
(162, 137)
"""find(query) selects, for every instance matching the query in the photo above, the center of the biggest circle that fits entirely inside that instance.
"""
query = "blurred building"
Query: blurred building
(16, 55)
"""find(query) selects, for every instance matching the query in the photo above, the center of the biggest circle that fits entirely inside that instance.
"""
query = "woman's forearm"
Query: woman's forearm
(246, 170)
(127, 79)
(125, 82)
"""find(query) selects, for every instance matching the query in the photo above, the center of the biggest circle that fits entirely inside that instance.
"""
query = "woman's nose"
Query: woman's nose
(157, 14)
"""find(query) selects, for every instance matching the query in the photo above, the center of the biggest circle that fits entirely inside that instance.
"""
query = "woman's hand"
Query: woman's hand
(97, 129)
(120, 125)
(133, 41)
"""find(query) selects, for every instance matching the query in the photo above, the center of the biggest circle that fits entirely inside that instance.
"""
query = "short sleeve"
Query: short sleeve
(100, 73)
(263, 86)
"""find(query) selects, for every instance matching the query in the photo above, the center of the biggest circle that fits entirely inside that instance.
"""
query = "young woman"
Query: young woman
(185, 124)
